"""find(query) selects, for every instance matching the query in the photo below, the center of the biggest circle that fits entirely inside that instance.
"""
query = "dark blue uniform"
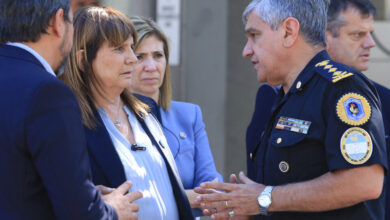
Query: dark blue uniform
(329, 120)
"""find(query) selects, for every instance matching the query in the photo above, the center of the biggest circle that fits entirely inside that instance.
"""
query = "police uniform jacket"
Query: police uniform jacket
(330, 119)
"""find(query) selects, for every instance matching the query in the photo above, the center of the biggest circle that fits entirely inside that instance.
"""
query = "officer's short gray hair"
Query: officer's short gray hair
(311, 15)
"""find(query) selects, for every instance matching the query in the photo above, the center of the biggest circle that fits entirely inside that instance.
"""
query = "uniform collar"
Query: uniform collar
(307, 73)
(303, 78)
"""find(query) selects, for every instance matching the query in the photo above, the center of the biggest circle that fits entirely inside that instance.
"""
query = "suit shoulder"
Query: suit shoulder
(267, 93)
(384, 95)
(52, 83)
(334, 72)
(183, 105)
(382, 90)
(267, 89)
(184, 111)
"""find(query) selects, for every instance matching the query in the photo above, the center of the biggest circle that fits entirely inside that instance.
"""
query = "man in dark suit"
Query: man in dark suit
(43, 157)
(264, 98)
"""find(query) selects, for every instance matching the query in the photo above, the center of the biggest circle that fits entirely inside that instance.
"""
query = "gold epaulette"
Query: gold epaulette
(332, 71)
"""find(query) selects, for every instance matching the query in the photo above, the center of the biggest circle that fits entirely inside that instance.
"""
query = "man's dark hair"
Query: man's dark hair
(26, 20)
(365, 7)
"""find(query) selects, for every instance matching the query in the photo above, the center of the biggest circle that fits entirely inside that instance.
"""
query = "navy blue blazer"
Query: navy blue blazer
(43, 156)
(107, 168)
(384, 94)
(265, 98)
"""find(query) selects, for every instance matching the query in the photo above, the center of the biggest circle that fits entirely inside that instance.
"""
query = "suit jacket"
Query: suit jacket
(43, 156)
(265, 98)
(107, 168)
(384, 95)
(186, 136)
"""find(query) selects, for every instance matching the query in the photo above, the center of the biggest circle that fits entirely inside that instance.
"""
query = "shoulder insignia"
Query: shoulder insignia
(356, 146)
(353, 109)
(332, 71)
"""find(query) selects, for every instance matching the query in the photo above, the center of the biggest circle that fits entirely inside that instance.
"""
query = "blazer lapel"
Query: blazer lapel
(102, 148)
(169, 127)
(182, 202)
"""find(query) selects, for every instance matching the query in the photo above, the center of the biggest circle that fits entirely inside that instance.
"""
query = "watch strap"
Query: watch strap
(266, 192)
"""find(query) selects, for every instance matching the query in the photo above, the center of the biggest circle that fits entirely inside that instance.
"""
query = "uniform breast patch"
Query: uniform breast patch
(353, 109)
(292, 124)
(356, 146)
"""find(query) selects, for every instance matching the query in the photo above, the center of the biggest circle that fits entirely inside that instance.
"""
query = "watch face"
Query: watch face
(264, 201)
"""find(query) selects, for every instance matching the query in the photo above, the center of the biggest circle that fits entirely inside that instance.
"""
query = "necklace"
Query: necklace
(116, 120)
(117, 123)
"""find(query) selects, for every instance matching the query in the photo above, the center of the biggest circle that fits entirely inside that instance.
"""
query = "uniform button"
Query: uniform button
(279, 140)
(299, 84)
(284, 167)
(182, 135)
(251, 156)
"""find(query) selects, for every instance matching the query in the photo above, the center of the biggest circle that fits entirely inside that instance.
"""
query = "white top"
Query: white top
(44, 63)
(145, 169)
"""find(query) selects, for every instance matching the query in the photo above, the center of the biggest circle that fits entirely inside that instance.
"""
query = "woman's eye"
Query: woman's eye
(119, 49)
(159, 55)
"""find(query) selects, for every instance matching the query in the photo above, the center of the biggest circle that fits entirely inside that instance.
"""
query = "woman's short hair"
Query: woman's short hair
(145, 28)
(92, 27)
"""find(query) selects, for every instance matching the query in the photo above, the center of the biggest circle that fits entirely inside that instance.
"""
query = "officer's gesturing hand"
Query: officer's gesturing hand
(239, 199)
(333, 190)
(122, 202)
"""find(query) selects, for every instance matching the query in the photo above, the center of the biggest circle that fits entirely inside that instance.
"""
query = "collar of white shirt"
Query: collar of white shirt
(44, 63)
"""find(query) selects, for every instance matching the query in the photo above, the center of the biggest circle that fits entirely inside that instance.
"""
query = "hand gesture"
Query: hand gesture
(239, 199)
(122, 201)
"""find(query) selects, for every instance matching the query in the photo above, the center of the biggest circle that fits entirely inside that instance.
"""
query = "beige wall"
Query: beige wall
(379, 69)
(133, 7)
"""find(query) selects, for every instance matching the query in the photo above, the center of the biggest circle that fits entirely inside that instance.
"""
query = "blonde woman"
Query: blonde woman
(182, 122)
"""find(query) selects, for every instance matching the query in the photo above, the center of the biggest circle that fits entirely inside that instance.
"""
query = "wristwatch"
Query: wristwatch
(265, 200)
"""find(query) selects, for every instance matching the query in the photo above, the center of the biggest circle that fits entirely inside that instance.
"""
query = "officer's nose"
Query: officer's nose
(247, 51)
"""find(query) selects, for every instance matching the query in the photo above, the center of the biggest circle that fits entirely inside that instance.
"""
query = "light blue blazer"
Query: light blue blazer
(186, 135)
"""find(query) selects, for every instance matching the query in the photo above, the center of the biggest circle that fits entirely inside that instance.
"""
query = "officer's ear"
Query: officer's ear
(291, 28)
(328, 37)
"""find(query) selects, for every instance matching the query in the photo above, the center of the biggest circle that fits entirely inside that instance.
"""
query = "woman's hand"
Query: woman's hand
(122, 200)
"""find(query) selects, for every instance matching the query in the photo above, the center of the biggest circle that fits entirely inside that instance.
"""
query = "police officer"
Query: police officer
(323, 153)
